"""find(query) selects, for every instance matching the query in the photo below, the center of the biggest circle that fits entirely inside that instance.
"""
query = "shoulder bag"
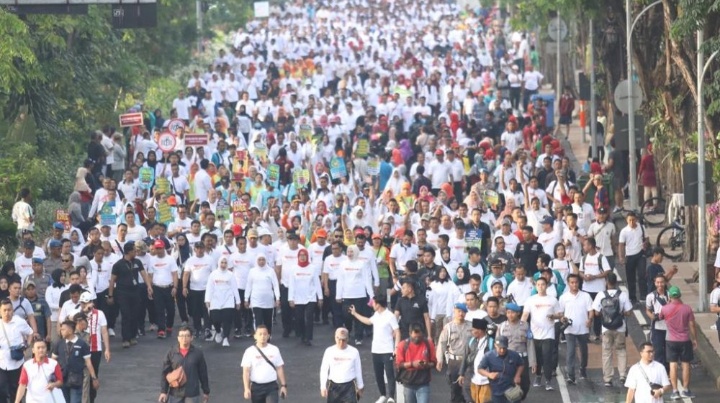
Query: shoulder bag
(17, 353)
(177, 378)
(653, 386)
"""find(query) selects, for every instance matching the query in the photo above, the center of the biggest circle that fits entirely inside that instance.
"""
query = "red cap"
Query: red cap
(376, 236)
(159, 244)
(439, 152)
(321, 233)
(359, 231)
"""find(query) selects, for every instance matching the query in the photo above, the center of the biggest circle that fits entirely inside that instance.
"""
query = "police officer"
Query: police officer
(477, 344)
(517, 333)
(451, 347)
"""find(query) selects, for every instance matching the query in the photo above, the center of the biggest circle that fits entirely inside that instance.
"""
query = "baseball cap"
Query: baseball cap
(292, 235)
(236, 229)
(159, 244)
(602, 210)
(547, 220)
(55, 243)
(87, 296)
(29, 244)
(321, 233)
(461, 306)
(38, 260)
(425, 217)
(263, 231)
(502, 341)
(439, 152)
(674, 292)
(59, 225)
(376, 236)
(252, 233)
(513, 307)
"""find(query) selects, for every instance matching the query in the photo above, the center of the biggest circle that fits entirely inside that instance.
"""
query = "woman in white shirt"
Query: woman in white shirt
(354, 286)
(262, 292)
(562, 263)
(221, 299)
(303, 294)
(52, 297)
(442, 295)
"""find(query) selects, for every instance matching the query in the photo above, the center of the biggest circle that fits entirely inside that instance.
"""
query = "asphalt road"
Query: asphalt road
(134, 375)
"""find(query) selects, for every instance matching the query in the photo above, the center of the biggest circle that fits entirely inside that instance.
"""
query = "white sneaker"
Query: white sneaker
(111, 332)
(390, 400)
(713, 327)
(381, 399)
(218, 337)
(225, 342)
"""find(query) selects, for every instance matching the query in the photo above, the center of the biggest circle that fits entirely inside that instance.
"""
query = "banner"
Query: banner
(363, 148)
(491, 197)
(239, 166)
(337, 168)
(261, 150)
(373, 167)
(64, 217)
(274, 175)
(222, 210)
(164, 213)
(147, 177)
(473, 237)
(107, 214)
(301, 178)
(162, 185)
(306, 131)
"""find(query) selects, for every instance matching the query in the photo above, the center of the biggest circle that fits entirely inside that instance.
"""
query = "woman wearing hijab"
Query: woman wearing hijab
(8, 270)
(396, 181)
(462, 279)
(52, 296)
(442, 296)
(357, 218)
(262, 292)
(222, 299)
(354, 287)
(303, 294)
(181, 253)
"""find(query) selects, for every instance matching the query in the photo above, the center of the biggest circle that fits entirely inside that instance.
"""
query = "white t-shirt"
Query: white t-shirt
(655, 373)
(632, 238)
(199, 269)
(589, 265)
(532, 80)
(520, 290)
(260, 370)
(384, 324)
(162, 269)
(439, 173)
(576, 308)
(603, 234)
(539, 307)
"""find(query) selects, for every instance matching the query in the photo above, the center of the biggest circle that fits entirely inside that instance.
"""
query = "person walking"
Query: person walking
(40, 377)
(14, 335)
(386, 334)
(304, 293)
(520, 341)
(263, 293)
(612, 306)
(196, 271)
(681, 340)
(124, 285)
(341, 371)
(73, 354)
(503, 367)
(192, 361)
(631, 251)
(164, 283)
(543, 310)
(476, 345)
(451, 347)
(222, 299)
(263, 368)
(647, 380)
(98, 336)
(415, 360)
(654, 302)
(576, 306)
(354, 286)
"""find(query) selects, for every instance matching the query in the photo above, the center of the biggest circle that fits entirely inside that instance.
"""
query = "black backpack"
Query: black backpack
(612, 316)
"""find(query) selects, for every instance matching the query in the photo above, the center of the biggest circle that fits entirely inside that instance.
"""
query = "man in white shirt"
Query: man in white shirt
(576, 306)
(164, 272)
(182, 107)
(604, 234)
(401, 253)
(631, 241)
(439, 172)
(202, 182)
(645, 377)
(543, 310)
(532, 80)
(594, 267)
(613, 328)
(341, 372)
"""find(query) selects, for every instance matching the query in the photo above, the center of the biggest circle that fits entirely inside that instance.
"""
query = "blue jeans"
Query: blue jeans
(417, 394)
(574, 341)
(72, 395)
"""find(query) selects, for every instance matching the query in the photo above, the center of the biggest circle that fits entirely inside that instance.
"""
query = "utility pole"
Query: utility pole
(593, 104)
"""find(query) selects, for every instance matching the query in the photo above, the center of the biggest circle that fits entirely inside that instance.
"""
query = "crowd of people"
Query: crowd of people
(382, 167)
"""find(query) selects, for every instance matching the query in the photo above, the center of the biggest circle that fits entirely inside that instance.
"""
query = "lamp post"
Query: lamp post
(702, 234)
(630, 26)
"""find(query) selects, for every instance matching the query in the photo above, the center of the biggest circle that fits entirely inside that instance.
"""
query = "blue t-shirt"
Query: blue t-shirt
(506, 366)
(652, 271)
(385, 172)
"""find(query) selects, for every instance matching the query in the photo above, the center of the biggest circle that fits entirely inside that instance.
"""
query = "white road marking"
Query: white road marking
(562, 386)
(640, 317)
(617, 273)
(647, 334)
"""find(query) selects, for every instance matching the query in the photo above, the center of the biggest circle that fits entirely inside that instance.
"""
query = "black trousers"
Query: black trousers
(95, 358)
(453, 372)
(383, 367)
(331, 306)
(183, 307)
(544, 350)
(110, 311)
(164, 307)
(597, 319)
(351, 322)
(264, 317)
(9, 381)
(515, 97)
(264, 392)
(287, 314)
(342, 393)
(525, 377)
(145, 307)
(223, 319)
(304, 320)
(636, 273)
(243, 317)
(128, 302)
(198, 311)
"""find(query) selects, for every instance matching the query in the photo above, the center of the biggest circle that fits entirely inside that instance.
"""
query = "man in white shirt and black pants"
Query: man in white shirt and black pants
(631, 240)
(340, 372)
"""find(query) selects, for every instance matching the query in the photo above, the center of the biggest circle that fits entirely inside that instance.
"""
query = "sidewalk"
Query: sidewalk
(708, 351)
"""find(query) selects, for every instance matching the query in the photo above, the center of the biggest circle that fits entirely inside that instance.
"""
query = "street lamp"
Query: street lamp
(702, 234)
(630, 25)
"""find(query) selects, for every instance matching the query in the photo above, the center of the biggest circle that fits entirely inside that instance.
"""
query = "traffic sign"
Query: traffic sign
(134, 15)
(131, 119)
(557, 28)
(176, 124)
(622, 135)
(166, 142)
(621, 96)
(196, 139)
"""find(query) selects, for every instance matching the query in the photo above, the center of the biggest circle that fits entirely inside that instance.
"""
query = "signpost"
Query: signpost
(621, 96)
(167, 142)
(131, 119)
(176, 124)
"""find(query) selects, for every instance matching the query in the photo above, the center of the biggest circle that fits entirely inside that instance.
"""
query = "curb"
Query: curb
(709, 358)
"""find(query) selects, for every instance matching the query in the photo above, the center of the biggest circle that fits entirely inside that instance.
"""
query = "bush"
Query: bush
(45, 217)
(8, 240)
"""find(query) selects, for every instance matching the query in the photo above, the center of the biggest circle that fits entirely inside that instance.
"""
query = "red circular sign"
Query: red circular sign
(166, 142)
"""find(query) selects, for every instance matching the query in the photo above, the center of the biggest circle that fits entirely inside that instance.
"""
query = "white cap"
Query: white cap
(87, 296)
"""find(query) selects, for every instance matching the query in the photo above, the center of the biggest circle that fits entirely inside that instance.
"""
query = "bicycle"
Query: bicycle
(672, 238)
(652, 212)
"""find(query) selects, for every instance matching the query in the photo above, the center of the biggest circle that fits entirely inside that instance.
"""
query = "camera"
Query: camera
(565, 323)
(491, 330)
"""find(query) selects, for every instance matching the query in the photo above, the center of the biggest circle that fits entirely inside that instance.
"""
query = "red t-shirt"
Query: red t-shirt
(677, 318)
(184, 351)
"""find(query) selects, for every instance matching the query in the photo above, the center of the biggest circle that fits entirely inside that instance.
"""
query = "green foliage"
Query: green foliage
(45, 213)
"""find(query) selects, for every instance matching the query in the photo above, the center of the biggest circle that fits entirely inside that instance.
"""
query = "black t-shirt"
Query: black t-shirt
(126, 274)
(652, 271)
(527, 253)
(411, 311)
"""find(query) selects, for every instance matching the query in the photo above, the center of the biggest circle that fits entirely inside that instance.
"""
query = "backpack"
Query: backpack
(612, 316)
(404, 376)
(600, 258)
